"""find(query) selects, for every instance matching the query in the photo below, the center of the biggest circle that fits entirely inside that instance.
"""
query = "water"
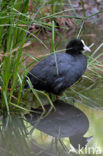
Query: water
(20, 137)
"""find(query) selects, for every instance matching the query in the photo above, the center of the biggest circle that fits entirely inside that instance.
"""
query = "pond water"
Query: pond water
(22, 136)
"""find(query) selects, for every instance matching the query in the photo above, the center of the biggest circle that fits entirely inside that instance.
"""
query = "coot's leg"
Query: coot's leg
(57, 97)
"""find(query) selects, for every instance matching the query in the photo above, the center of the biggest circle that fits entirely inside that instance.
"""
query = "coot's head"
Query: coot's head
(75, 46)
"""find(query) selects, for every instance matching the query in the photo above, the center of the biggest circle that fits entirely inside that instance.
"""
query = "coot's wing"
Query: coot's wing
(44, 75)
(45, 70)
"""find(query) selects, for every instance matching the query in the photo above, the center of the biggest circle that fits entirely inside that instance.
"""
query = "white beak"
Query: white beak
(85, 47)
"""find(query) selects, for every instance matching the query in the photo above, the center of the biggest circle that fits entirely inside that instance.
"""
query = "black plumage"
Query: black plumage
(55, 75)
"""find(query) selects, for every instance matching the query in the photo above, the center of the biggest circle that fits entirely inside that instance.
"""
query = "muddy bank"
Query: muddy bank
(90, 11)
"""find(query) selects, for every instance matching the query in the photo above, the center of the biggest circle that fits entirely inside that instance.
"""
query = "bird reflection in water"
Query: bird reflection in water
(66, 121)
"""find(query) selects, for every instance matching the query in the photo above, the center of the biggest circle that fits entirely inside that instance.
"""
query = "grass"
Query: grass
(15, 22)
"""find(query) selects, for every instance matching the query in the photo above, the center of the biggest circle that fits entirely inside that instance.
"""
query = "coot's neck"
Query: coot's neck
(73, 52)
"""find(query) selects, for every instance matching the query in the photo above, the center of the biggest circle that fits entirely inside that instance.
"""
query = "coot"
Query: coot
(54, 74)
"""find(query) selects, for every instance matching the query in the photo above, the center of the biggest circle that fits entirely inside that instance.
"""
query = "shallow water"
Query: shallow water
(19, 137)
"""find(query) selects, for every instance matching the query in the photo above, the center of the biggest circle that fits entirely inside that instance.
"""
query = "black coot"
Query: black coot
(70, 66)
